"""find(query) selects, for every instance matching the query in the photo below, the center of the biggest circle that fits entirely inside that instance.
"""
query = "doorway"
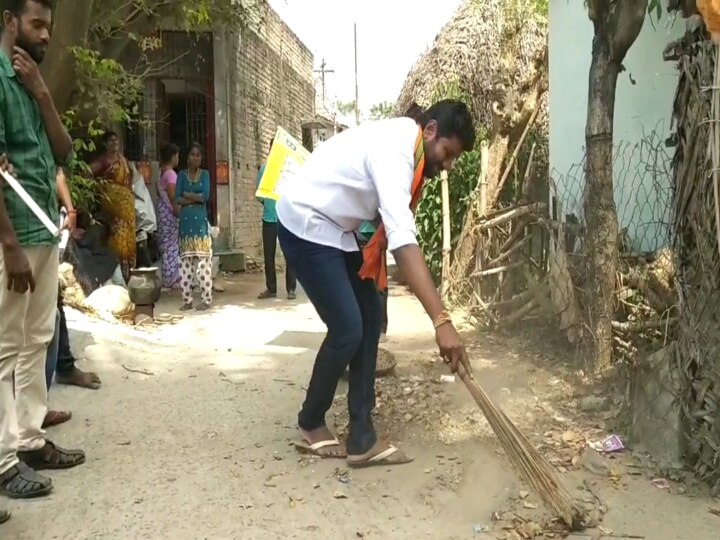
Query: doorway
(188, 117)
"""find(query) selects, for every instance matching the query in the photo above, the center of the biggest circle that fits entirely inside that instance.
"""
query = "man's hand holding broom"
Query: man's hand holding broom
(415, 271)
(451, 347)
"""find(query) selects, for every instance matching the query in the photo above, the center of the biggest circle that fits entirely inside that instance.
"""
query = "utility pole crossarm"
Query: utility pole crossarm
(323, 71)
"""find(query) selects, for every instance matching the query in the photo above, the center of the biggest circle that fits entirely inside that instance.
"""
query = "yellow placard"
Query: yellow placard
(286, 156)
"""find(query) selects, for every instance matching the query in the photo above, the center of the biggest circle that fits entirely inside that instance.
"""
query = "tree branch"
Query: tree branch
(624, 25)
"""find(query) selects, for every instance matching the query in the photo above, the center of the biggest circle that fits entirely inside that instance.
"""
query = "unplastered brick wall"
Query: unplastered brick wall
(271, 85)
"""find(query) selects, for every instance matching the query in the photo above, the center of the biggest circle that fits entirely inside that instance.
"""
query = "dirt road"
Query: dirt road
(190, 438)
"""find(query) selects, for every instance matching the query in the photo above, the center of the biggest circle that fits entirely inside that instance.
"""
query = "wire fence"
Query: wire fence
(531, 261)
(642, 173)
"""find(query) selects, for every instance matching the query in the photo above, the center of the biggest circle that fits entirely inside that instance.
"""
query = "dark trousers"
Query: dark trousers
(65, 359)
(383, 301)
(59, 358)
(144, 259)
(350, 308)
(269, 237)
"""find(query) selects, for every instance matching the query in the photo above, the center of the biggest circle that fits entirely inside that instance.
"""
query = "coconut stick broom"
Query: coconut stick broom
(533, 468)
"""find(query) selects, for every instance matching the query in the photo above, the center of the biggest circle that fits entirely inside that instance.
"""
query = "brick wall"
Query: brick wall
(271, 86)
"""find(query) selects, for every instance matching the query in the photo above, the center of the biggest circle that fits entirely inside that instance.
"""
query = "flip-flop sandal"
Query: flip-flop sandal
(390, 456)
(314, 449)
(55, 418)
(167, 318)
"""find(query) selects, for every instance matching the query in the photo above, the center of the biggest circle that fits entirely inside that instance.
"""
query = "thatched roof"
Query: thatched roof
(489, 51)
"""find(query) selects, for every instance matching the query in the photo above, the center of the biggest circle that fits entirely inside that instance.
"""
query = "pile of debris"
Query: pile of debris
(529, 264)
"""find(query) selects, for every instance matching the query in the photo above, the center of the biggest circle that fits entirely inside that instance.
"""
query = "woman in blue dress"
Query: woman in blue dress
(192, 193)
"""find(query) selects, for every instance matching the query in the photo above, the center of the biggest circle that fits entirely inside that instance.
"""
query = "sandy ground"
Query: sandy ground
(190, 438)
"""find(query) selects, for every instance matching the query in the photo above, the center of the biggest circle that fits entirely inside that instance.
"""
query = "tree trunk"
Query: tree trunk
(71, 24)
(599, 204)
(617, 25)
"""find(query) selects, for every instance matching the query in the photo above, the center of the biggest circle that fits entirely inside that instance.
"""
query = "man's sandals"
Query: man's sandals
(22, 482)
(52, 456)
(322, 449)
(389, 456)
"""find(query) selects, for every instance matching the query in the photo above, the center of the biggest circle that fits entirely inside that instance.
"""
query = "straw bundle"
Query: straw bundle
(490, 52)
(533, 468)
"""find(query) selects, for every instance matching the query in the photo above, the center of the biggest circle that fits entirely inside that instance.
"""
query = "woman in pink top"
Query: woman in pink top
(167, 213)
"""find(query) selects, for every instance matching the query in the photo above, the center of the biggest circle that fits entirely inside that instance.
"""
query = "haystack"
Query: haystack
(493, 55)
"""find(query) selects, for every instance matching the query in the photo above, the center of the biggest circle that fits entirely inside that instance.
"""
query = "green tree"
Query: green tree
(82, 69)
(345, 107)
(381, 110)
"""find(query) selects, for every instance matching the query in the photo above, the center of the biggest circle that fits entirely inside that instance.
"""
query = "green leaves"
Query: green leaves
(106, 92)
(655, 8)
(381, 110)
(461, 182)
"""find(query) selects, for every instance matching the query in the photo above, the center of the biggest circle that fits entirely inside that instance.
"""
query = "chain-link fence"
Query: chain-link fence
(531, 254)
(643, 193)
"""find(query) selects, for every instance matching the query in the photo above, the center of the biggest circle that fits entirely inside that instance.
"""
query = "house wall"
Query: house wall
(642, 121)
(271, 85)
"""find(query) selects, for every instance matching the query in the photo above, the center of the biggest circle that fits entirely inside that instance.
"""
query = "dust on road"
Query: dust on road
(190, 438)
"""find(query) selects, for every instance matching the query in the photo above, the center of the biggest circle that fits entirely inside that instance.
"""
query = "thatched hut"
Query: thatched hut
(493, 55)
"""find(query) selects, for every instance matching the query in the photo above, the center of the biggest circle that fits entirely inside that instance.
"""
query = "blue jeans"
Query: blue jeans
(350, 308)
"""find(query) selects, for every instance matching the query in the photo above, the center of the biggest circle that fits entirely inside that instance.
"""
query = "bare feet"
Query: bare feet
(382, 453)
(79, 378)
(321, 442)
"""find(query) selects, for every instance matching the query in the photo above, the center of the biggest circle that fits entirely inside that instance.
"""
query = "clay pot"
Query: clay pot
(144, 286)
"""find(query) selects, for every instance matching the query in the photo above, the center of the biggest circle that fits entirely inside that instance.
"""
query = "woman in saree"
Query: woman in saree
(118, 201)
(167, 213)
(192, 193)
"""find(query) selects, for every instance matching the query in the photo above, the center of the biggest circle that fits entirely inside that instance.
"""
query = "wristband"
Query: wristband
(443, 318)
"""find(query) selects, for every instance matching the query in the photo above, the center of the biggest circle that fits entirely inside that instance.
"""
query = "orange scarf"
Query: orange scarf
(374, 264)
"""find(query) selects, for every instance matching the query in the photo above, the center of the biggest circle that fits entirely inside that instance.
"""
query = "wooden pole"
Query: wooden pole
(357, 105)
(446, 233)
(484, 164)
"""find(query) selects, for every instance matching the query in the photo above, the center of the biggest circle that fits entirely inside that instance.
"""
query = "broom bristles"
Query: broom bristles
(533, 468)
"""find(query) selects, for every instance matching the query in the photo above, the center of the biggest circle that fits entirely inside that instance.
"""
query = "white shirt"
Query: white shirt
(353, 177)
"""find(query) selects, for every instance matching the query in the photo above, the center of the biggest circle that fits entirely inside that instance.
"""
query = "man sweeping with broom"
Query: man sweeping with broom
(374, 172)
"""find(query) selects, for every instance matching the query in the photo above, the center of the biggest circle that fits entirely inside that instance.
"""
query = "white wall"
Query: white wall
(642, 120)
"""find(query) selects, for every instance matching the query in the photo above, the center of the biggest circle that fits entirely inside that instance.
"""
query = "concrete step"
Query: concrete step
(232, 260)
